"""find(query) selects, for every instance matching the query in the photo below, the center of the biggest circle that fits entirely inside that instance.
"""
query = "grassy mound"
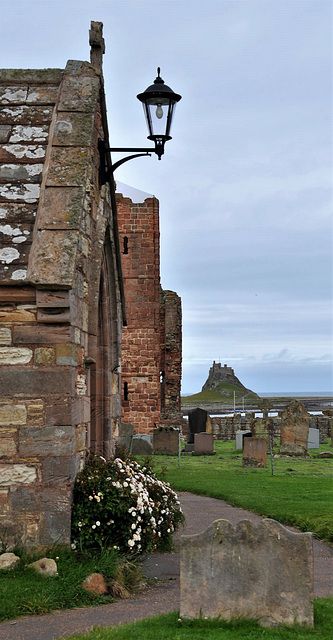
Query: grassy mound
(223, 393)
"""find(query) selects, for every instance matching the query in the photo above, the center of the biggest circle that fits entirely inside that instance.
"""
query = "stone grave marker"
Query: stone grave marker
(294, 430)
(313, 438)
(204, 443)
(141, 445)
(197, 421)
(259, 571)
(261, 428)
(166, 441)
(126, 432)
(240, 435)
(254, 452)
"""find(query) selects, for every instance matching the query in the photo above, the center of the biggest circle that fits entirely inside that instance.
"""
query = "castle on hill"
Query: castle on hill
(219, 374)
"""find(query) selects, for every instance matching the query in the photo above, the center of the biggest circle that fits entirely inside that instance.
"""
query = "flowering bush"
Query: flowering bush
(119, 504)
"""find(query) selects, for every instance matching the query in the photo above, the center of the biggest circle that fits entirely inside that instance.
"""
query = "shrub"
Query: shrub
(118, 504)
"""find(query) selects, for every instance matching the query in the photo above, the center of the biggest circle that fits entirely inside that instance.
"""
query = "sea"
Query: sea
(296, 394)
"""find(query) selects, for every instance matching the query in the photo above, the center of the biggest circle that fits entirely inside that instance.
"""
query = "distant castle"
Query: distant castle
(218, 374)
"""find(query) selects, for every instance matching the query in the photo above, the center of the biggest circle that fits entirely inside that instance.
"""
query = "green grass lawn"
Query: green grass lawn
(223, 393)
(300, 492)
(23, 592)
(168, 627)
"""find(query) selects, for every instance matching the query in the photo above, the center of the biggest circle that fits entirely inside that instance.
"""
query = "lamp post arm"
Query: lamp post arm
(105, 174)
(136, 155)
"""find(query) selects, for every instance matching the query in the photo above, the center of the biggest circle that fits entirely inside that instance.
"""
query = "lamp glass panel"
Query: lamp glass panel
(158, 116)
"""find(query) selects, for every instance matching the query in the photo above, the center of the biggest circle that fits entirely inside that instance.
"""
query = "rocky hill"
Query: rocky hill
(219, 375)
(222, 387)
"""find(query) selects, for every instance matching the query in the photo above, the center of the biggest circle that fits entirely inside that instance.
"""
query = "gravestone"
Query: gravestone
(197, 421)
(313, 438)
(240, 435)
(166, 441)
(141, 445)
(259, 571)
(294, 430)
(126, 432)
(261, 428)
(204, 443)
(254, 452)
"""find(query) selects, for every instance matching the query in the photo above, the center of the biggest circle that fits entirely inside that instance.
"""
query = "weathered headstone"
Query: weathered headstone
(141, 445)
(313, 438)
(254, 452)
(197, 421)
(126, 432)
(240, 435)
(261, 428)
(203, 443)
(166, 441)
(258, 571)
(294, 430)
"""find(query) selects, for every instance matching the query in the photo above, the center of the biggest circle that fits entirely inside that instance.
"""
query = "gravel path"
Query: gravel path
(163, 597)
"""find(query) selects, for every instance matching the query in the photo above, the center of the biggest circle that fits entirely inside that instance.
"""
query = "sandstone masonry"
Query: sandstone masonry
(61, 293)
(151, 343)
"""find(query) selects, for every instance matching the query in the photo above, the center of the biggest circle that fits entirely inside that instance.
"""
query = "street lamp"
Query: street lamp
(159, 102)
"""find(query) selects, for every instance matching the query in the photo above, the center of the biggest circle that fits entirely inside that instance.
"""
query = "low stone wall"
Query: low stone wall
(225, 427)
(324, 424)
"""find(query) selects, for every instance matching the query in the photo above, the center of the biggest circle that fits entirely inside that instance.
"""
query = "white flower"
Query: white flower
(131, 543)
(91, 498)
(133, 525)
(73, 545)
(98, 523)
(125, 484)
(94, 526)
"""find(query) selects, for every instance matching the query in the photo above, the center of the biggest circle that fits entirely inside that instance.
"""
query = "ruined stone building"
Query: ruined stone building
(62, 298)
(61, 292)
(152, 340)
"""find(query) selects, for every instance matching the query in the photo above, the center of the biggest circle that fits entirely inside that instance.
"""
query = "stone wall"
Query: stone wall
(151, 345)
(139, 241)
(171, 359)
(325, 425)
(60, 295)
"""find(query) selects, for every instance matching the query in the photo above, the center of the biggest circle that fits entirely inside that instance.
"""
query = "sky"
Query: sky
(245, 185)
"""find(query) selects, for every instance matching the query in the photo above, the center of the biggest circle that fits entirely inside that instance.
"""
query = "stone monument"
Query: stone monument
(294, 430)
(258, 571)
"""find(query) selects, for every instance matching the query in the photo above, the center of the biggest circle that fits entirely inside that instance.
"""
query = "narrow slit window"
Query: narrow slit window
(125, 391)
(125, 248)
